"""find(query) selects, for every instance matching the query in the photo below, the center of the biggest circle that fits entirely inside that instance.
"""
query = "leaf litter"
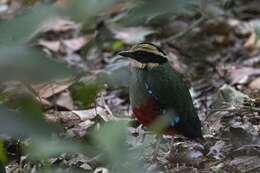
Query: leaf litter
(221, 81)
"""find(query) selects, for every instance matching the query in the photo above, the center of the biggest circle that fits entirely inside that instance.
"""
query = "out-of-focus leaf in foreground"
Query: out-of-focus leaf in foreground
(3, 158)
(115, 75)
(257, 30)
(46, 147)
(20, 27)
(111, 140)
(85, 10)
(59, 170)
(29, 64)
(84, 95)
(146, 9)
(28, 120)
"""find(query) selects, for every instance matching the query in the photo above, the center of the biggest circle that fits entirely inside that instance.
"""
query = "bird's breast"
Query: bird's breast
(147, 113)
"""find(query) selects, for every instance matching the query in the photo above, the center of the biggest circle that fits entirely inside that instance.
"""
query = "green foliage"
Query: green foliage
(146, 9)
(42, 148)
(111, 140)
(3, 158)
(84, 95)
(117, 45)
(11, 30)
(257, 30)
(85, 10)
(28, 120)
(21, 62)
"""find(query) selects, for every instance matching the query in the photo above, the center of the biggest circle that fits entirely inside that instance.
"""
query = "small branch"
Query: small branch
(181, 34)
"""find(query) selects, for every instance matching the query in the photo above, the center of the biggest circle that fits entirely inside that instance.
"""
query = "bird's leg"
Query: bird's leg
(171, 145)
(171, 149)
(155, 153)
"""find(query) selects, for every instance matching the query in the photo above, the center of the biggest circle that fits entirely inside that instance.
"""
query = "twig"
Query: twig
(181, 34)
(105, 105)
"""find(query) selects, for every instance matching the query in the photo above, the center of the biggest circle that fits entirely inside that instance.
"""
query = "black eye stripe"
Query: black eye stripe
(146, 57)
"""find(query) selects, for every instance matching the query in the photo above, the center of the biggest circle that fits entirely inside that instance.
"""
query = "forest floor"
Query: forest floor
(219, 59)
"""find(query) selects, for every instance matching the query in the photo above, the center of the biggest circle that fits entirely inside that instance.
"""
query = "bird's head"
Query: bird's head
(145, 54)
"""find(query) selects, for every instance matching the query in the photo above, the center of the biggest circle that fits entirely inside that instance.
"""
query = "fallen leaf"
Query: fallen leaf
(232, 95)
(242, 74)
(47, 90)
(216, 150)
(241, 135)
(66, 117)
(246, 163)
(83, 126)
(51, 45)
(66, 46)
(65, 100)
(86, 114)
(255, 84)
(58, 24)
(252, 42)
(75, 44)
(133, 34)
(101, 170)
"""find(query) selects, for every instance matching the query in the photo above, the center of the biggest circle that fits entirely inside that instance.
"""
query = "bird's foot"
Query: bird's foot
(154, 157)
(168, 154)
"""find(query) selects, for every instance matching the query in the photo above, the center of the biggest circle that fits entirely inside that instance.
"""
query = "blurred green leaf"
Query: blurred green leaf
(116, 75)
(142, 11)
(42, 147)
(111, 140)
(59, 170)
(117, 45)
(3, 158)
(85, 10)
(133, 35)
(29, 64)
(231, 95)
(20, 27)
(84, 94)
(257, 30)
(29, 121)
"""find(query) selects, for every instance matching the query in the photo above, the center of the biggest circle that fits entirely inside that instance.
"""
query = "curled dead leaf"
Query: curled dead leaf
(255, 84)
(46, 90)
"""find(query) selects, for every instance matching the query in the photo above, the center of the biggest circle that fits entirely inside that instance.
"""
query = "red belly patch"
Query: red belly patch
(146, 114)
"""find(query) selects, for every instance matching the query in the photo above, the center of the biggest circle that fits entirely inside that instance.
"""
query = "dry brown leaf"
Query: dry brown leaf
(66, 46)
(59, 25)
(75, 44)
(255, 84)
(101, 170)
(91, 113)
(86, 114)
(65, 100)
(66, 117)
(44, 102)
(47, 90)
(51, 45)
(252, 42)
(56, 24)
(132, 34)
(242, 74)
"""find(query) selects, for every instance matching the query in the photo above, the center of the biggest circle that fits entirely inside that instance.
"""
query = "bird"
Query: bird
(159, 97)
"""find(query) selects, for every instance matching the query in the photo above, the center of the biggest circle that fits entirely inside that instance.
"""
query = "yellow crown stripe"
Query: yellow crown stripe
(147, 48)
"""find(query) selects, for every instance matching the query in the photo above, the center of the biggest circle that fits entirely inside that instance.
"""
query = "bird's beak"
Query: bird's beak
(126, 54)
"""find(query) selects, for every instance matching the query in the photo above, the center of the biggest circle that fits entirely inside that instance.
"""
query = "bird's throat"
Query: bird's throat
(136, 64)
(140, 65)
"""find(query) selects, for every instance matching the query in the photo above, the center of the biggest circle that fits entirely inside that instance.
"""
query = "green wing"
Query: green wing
(166, 85)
